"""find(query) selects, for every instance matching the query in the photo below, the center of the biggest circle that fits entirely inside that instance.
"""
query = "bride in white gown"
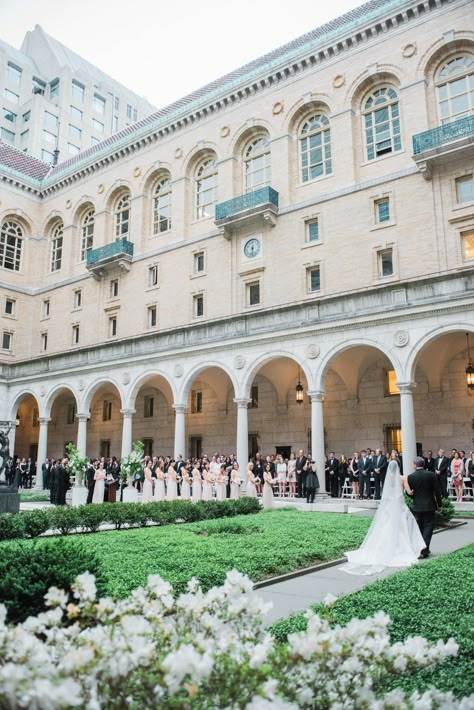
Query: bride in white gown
(393, 539)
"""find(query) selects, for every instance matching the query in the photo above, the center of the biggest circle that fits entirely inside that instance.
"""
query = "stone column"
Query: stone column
(242, 449)
(407, 420)
(127, 422)
(317, 436)
(42, 450)
(180, 430)
(82, 420)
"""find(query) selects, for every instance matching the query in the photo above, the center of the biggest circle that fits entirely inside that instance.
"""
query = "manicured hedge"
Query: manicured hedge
(434, 599)
(89, 518)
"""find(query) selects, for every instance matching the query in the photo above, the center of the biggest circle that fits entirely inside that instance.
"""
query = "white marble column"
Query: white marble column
(42, 450)
(82, 420)
(180, 430)
(127, 421)
(317, 436)
(407, 420)
(242, 449)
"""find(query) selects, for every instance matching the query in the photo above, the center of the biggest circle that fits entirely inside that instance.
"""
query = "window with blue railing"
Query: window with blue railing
(257, 164)
(206, 188)
(455, 88)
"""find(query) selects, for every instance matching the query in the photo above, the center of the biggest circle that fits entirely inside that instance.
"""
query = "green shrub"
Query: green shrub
(64, 519)
(28, 570)
(447, 511)
(93, 516)
(247, 506)
(12, 526)
(117, 515)
(36, 522)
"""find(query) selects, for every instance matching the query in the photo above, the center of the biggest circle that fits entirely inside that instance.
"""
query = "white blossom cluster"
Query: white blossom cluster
(201, 651)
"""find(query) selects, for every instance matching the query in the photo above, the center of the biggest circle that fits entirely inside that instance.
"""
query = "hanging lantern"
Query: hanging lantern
(299, 389)
(469, 368)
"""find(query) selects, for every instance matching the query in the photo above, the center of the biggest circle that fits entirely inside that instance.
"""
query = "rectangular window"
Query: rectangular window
(75, 133)
(47, 156)
(199, 262)
(314, 279)
(312, 230)
(8, 136)
(196, 401)
(114, 288)
(116, 103)
(56, 253)
(105, 448)
(253, 293)
(9, 115)
(50, 119)
(393, 438)
(46, 308)
(468, 245)
(44, 342)
(77, 299)
(71, 413)
(7, 340)
(391, 384)
(115, 124)
(382, 210)
(75, 113)
(98, 126)
(198, 304)
(99, 104)
(11, 96)
(73, 149)
(132, 113)
(75, 334)
(26, 117)
(106, 410)
(78, 91)
(153, 275)
(49, 137)
(112, 326)
(13, 74)
(35, 418)
(151, 316)
(10, 306)
(94, 141)
(385, 263)
(38, 86)
(24, 137)
(149, 406)
(253, 397)
(54, 89)
(465, 189)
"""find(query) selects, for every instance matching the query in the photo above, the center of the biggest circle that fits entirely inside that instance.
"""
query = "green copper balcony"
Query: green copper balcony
(260, 205)
(116, 254)
(440, 145)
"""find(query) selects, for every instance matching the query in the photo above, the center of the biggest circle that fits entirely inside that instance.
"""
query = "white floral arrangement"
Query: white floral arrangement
(133, 463)
(77, 464)
(201, 651)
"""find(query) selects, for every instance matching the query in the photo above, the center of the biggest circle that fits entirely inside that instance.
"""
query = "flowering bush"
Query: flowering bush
(78, 464)
(133, 463)
(201, 651)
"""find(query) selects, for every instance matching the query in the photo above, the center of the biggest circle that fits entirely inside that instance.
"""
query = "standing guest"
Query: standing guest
(457, 473)
(395, 456)
(430, 462)
(379, 463)
(364, 475)
(207, 477)
(281, 469)
(311, 483)
(197, 483)
(292, 475)
(18, 474)
(425, 489)
(251, 491)
(342, 473)
(31, 471)
(46, 467)
(185, 483)
(147, 495)
(235, 482)
(171, 482)
(24, 473)
(159, 493)
(354, 469)
(441, 470)
(52, 482)
(258, 472)
(267, 498)
(99, 487)
(301, 462)
(63, 483)
(90, 481)
(221, 482)
(470, 471)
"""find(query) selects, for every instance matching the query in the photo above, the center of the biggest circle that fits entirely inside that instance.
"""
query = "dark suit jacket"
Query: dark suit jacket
(426, 490)
(333, 466)
(300, 464)
(430, 464)
(443, 466)
(365, 467)
(381, 463)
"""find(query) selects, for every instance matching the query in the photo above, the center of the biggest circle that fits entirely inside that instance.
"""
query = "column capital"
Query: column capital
(83, 416)
(406, 387)
(180, 408)
(44, 421)
(128, 412)
(242, 402)
(316, 395)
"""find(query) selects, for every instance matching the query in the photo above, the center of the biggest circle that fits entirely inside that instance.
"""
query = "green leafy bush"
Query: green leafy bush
(64, 519)
(92, 516)
(36, 522)
(11, 526)
(28, 570)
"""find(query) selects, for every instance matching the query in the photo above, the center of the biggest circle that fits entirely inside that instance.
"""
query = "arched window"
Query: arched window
(382, 123)
(455, 86)
(56, 247)
(11, 242)
(87, 233)
(315, 148)
(257, 164)
(206, 188)
(162, 206)
(122, 217)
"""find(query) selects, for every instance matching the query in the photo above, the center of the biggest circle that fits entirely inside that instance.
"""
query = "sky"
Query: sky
(161, 49)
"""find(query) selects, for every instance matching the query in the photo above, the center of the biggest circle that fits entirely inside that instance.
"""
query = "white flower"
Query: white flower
(84, 587)
(329, 599)
(56, 597)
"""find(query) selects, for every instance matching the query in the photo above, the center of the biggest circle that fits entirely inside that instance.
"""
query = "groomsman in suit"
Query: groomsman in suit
(46, 468)
(430, 462)
(379, 466)
(301, 464)
(426, 496)
(441, 470)
(365, 466)
(333, 472)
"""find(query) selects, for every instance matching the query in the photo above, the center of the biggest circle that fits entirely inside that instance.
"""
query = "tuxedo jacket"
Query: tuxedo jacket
(442, 466)
(333, 465)
(300, 464)
(381, 463)
(426, 490)
(430, 464)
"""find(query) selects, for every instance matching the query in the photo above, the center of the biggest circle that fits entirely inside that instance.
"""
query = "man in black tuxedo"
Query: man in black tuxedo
(333, 472)
(90, 482)
(441, 470)
(426, 494)
(46, 468)
(379, 467)
(430, 462)
(301, 465)
(62, 482)
(365, 465)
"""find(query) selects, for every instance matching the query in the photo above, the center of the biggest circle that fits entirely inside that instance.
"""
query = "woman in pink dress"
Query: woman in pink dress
(147, 494)
(207, 483)
(221, 483)
(235, 482)
(292, 476)
(251, 490)
(267, 499)
(159, 493)
(99, 487)
(197, 484)
(171, 483)
(457, 473)
(185, 483)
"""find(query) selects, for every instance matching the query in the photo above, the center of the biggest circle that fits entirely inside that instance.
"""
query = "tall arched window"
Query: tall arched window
(206, 188)
(122, 217)
(455, 86)
(56, 247)
(315, 148)
(11, 242)
(87, 233)
(162, 206)
(257, 164)
(382, 123)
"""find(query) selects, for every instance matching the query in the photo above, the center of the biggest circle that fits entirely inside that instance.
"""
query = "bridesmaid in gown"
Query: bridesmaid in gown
(159, 493)
(207, 483)
(251, 491)
(268, 501)
(235, 482)
(197, 484)
(185, 484)
(172, 484)
(221, 483)
(99, 478)
(147, 495)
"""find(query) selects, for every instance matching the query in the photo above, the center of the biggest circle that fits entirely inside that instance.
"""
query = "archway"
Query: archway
(153, 422)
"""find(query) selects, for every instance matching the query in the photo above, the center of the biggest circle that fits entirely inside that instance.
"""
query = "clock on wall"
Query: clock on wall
(252, 248)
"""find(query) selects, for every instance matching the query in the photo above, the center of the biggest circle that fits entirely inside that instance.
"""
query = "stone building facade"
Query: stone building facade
(306, 220)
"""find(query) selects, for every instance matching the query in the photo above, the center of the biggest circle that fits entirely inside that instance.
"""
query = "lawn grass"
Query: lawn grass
(434, 599)
(34, 497)
(261, 545)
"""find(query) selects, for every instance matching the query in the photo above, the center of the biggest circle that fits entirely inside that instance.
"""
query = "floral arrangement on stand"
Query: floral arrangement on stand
(201, 651)
(77, 465)
(133, 463)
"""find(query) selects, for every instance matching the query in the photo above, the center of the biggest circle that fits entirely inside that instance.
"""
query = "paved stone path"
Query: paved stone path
(299, 593)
